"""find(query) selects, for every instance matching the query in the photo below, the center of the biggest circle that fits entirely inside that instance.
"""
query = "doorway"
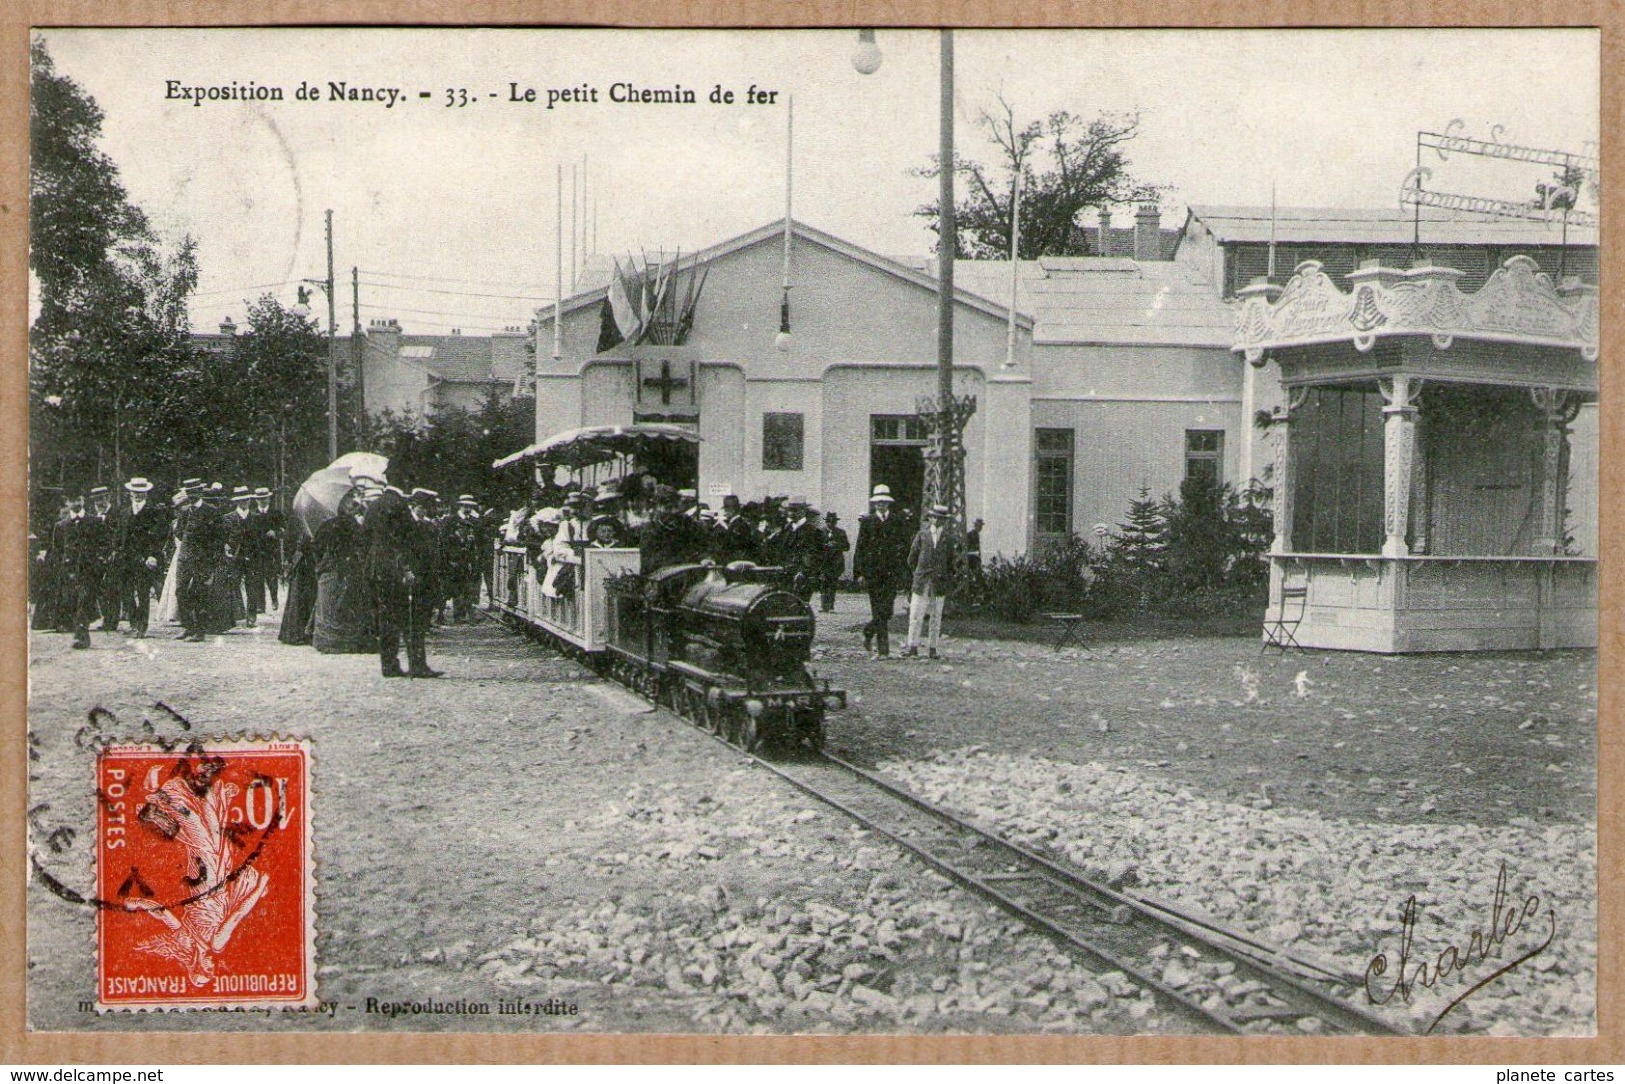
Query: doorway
(897, 457)
(675, 463)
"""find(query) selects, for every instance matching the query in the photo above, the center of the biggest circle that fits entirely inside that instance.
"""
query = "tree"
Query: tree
(112, 328)
(450, 450)
(1202, 537)
(1068, 165)
(1142, 540)
(269, 395)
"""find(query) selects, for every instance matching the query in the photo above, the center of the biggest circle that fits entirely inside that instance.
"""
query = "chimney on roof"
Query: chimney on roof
(227, 327)
(1103, 236)
(1148, 232)
(386, 335)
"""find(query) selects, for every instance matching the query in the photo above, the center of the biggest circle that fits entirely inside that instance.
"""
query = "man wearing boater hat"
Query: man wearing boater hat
(932, 558)
(104, 592)
(880, 560)
(140, 533)
(464, 537)
(238, 528)
(264, 551)
(801, 550)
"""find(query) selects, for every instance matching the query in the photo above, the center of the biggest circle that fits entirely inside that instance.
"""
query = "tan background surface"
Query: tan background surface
(19, 1047)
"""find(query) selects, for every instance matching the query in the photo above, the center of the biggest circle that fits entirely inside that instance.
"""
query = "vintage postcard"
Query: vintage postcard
(543, 531)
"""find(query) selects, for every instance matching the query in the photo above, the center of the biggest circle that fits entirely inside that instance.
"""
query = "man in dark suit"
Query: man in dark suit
(932, 558)
(140, 533)
(265, 551)
(881, 562)
(833, 566)
(86, 543)
(397, 546)
(105, 599)
(738, 533)
(465, 535)
(238, 527)
(802, 550)
(203, 573)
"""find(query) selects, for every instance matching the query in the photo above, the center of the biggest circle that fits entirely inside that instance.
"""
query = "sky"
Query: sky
(449, 210)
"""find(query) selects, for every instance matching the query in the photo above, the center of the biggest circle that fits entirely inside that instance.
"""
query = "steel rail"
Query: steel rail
(1269, 960)
(1298, 1001)
(1159, 919)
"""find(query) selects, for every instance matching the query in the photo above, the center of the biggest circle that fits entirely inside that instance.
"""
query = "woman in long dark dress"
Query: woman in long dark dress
(344, 624)
(299, 609)
(207, 610)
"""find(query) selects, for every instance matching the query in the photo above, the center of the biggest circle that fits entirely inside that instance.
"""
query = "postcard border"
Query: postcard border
(17, 1045)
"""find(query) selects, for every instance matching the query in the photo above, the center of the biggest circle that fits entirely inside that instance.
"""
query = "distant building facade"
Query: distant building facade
(1122, 374)
(416, 374)
(420, 374)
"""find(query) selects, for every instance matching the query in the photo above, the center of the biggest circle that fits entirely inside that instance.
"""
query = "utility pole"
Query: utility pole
(945, 457)
(358, 361)
(332, 354)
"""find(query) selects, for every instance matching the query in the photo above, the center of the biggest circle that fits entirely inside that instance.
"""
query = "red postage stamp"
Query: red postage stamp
(204, 875)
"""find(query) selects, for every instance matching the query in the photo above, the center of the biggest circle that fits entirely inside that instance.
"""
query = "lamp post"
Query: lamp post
(945, 461)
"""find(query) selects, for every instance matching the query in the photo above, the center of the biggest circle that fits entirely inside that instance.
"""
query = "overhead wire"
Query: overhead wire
(447, 278)
(241, 289)
(457, 293)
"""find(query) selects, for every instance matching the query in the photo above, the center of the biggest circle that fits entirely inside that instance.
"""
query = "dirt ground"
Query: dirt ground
(519, 831)
(1475, 738)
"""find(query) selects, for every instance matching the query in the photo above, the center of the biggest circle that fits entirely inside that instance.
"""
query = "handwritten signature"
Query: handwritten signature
(1504, 922)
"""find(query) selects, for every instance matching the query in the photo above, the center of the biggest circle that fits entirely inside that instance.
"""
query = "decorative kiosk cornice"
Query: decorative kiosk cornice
(1519, 304)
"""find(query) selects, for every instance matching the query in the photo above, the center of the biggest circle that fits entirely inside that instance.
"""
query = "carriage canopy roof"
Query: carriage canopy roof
(577, 448)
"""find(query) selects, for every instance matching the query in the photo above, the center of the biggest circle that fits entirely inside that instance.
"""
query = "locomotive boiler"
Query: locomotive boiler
(725, 647)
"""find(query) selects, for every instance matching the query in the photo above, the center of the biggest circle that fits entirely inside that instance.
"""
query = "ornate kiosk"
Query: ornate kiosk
(1422, 457)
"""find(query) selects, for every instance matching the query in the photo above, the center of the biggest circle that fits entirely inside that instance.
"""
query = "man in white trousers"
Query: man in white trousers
(931, 558)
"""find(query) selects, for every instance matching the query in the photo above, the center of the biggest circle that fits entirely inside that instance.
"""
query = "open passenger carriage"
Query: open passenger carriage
(723, 645)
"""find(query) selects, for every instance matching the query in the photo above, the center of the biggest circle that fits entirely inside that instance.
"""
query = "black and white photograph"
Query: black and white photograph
(813, 532)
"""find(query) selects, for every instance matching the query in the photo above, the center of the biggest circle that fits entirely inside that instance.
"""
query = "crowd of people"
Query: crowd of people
(386, 565)
(894, 551)
(380, 573)
(382, 569)
(208, 561)
(673, 526)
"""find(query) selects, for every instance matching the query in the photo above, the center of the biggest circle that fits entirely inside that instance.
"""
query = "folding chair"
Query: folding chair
(1069, 624)
(1280, 628)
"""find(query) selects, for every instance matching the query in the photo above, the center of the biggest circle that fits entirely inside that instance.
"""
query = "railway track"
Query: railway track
(1227, 981)
(1214, 978)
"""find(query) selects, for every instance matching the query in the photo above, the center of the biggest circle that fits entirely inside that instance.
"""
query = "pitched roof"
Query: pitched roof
(1391, 226)
(1093, 299)
(803, 232)
(467, 359)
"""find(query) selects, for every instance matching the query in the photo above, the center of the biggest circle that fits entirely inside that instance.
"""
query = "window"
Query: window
(896, 429)
(1054, 484)
(1204, 454)
(781, 441)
